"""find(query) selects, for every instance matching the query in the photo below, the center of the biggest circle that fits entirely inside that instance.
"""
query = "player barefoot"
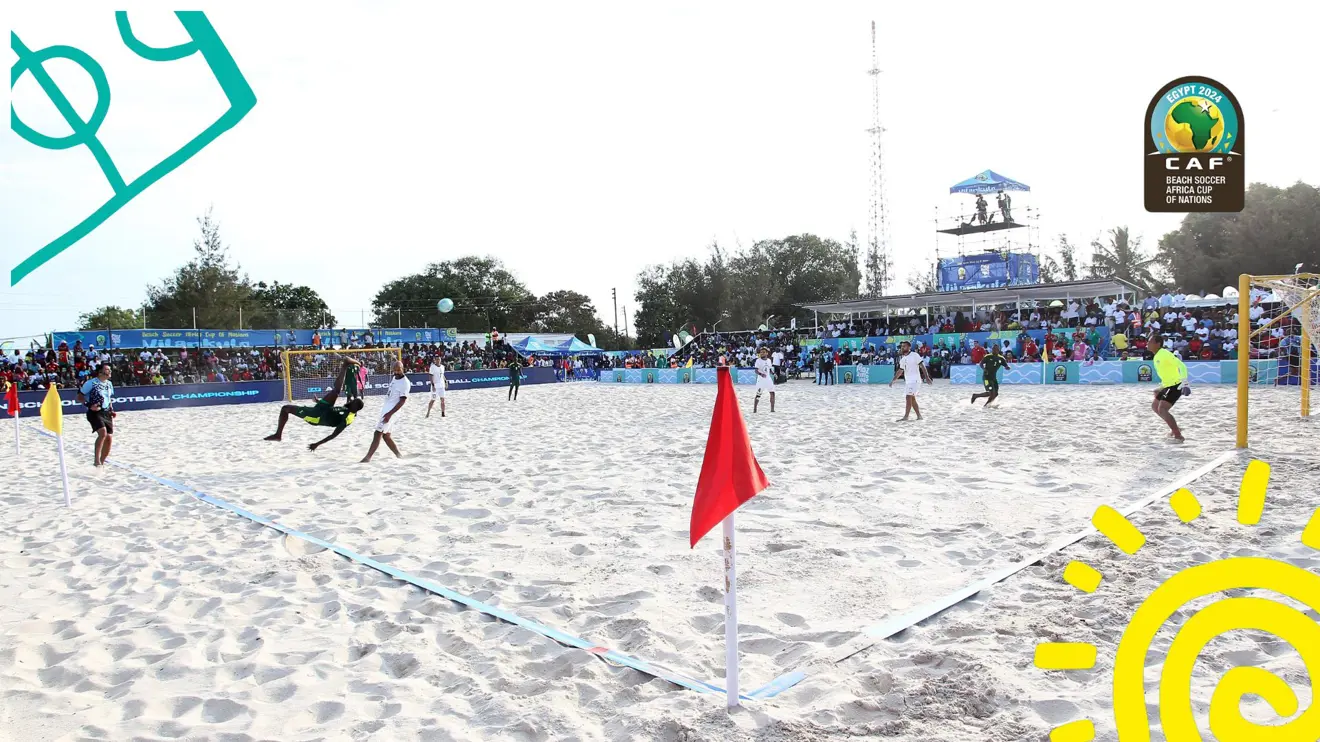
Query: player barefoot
(400, 385)
(765, 378)
(98, 394)
(1173, 382)
(990, 366)
(324, 413)
(438, 385)
(911, 369)
(515, 376)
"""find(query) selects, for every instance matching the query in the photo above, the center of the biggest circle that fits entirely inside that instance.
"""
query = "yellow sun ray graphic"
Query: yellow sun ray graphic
(1175, 684)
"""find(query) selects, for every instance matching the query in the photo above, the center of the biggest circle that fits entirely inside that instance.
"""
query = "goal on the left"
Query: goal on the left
(308, 374)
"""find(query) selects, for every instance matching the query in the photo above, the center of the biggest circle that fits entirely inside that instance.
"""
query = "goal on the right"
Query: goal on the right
(1278, 324)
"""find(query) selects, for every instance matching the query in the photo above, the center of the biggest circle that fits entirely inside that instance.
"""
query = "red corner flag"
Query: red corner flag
(11, 399)
(730, 475)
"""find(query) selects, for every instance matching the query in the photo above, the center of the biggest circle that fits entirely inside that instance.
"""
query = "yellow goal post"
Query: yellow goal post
(1278, 327)
(308, 374)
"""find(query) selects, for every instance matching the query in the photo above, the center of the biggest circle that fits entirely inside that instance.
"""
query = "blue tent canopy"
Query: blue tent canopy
(988, 181)
(530, 345)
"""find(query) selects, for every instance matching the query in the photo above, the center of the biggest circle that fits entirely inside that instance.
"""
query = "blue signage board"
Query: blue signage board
(253, 338)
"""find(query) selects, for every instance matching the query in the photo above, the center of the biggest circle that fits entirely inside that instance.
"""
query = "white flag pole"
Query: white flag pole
(64, 472)
(730, 615)
(15, 432)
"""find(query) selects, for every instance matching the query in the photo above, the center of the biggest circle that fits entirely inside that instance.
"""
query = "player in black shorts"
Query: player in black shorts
(515, 376)
(324, 413)
(990, 366)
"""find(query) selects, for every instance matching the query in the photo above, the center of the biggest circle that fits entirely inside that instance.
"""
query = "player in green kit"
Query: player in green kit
(515, 376)
(990, 365)
(324, 413)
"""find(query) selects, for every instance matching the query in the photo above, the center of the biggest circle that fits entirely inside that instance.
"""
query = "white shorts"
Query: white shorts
(912, 387)
(387, 427)
(437, 393)
(765, 384)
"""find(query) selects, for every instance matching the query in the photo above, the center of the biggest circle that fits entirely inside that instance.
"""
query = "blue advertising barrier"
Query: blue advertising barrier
(132, 398)
(671, 376)
(1263, 371)
(987, 270)
(252, 338)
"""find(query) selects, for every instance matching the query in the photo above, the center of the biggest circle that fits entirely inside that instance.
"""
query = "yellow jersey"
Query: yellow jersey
(1172, 371)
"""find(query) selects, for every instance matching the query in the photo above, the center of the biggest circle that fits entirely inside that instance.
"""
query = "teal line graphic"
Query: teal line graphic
(204, 40)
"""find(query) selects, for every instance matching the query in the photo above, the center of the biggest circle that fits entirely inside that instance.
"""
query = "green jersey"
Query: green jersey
(992, 363)
(325, 414)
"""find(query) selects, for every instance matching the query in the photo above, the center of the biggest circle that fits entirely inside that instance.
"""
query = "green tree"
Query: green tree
(1123, 258)
(207, 284)
(484, 292)
(567, 311)
(1049, 270)
(1276, 229)
(110, 318)
(923, 280)
(743, 289)
(877, 268)
(1070, 270)
(284, 306)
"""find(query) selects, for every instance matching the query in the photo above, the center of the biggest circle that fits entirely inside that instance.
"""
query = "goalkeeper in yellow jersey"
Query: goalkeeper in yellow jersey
(1173, 384)
(324, 413)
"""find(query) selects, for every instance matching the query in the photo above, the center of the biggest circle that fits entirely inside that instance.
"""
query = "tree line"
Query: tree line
(484, 292)
(726, 289)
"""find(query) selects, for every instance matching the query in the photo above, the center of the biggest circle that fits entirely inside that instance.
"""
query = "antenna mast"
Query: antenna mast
(878, 263)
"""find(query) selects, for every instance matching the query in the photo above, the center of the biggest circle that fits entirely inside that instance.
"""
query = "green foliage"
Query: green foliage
(1123, 258)
(1277, 229)
(485, 295)
(1069, 269)
(1049, 270)
(743, 289)
(284, 306)
(207, 283)
(110, 318)
(924, 280)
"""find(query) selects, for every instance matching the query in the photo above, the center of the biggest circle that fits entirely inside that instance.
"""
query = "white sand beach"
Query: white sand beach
(143, 613)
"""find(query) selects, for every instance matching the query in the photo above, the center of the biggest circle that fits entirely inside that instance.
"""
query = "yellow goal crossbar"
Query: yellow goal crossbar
(1246, 333)
(289, 355)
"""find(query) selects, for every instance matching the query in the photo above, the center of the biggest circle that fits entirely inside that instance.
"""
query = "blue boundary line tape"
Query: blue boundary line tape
(769, 690)
(904, 621)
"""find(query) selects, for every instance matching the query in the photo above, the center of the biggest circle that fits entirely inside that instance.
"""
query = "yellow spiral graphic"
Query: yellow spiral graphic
(1175, 704)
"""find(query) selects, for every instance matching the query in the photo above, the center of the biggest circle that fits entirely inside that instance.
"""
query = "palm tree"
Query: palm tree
(1123, 258)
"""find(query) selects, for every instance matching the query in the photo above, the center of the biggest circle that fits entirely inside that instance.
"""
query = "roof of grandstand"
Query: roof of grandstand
(981, 297)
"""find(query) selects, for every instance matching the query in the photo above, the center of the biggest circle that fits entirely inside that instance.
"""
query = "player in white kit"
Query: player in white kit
(438, 385)
(765, 378)
(400, 386)
(911, 369)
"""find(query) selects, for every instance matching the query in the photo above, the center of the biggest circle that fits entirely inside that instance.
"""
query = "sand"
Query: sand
(144, 614)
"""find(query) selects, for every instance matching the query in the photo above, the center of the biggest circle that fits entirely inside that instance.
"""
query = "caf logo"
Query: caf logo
(847, 377)
(687, 377)
(1144, 373)
(650, 377)
(1194, 154)
(1252, 374)
(962, 273)
(618, 376)
(1060, 373)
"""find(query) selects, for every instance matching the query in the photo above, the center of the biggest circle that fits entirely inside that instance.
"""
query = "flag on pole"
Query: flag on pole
(11, 401)
(52, 413)
(52, 418)
(729, 477)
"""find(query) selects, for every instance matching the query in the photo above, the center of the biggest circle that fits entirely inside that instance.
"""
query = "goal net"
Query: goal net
(1278, 332)
(309, 374)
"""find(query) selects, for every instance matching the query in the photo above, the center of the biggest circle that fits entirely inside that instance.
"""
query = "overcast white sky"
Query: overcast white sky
(579, 142)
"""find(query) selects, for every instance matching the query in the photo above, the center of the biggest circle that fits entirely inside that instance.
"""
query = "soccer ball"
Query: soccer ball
(444, 305)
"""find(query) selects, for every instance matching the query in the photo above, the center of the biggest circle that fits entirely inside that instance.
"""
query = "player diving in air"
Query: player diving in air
(324, 413)
(990, 365)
